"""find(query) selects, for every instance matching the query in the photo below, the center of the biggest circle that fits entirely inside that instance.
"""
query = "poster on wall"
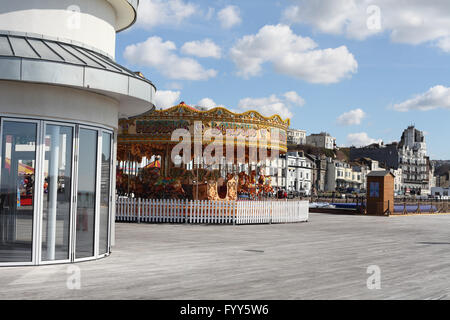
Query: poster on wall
(374, 189)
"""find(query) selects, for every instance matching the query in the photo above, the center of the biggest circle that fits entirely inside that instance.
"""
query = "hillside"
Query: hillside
(343, 154)
(309, 149)
(441, 166)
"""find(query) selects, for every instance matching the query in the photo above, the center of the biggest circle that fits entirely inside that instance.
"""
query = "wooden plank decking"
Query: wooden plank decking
(325, 258)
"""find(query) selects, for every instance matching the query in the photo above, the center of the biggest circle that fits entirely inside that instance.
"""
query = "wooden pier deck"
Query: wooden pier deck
(326, 258)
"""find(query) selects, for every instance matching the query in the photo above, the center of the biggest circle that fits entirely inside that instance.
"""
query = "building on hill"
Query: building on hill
(296, 137)
(321, 140)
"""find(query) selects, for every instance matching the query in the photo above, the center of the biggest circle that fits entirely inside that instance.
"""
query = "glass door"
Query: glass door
(57, 193)
(19, 140)
(85, 221)
(105, 193)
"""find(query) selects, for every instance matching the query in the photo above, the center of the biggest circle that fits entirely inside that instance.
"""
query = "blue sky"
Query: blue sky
(359, 72)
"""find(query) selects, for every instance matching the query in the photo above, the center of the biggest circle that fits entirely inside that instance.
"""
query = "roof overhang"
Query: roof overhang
(45, 61)
(126, 13)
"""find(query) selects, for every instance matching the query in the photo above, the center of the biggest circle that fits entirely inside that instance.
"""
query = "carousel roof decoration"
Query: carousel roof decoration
(153, 129)
(187, 111)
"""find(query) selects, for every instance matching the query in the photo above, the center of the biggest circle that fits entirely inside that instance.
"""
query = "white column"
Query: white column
(52, 192)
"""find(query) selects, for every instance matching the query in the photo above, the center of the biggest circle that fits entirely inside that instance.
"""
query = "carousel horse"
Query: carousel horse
(252, 183)
(242, 182)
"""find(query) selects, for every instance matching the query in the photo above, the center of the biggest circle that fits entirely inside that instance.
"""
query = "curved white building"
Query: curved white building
(61, 96)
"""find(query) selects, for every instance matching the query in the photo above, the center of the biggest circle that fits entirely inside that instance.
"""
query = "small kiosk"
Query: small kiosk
(380, 193)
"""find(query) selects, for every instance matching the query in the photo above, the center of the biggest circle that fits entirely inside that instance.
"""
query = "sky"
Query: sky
(361, 70)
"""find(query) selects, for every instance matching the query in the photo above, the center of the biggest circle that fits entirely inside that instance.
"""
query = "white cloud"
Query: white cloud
(436, 97)
(167, 98)
(208, 103)
(360, 139)
(444, 44)
(152, 13)
(353, 117)
(161, 55)
(268, 106)
(413, 22)
(294, 98)
(229, 17)
(202, 49)
(291, 55)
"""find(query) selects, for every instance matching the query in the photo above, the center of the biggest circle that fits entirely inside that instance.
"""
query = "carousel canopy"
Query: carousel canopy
(155, 127)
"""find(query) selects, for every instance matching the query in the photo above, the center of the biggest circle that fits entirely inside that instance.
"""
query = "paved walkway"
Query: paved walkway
(326, 258)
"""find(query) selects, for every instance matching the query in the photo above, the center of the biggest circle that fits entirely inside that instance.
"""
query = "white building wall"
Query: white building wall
(299, 173)
(321, 141)
(440, 192)
(398, 185)
(93, 26)
(275, 169)
(295, 136)
(59, 103)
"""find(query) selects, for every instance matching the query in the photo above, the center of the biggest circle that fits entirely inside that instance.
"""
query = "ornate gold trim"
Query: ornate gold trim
(247, 115)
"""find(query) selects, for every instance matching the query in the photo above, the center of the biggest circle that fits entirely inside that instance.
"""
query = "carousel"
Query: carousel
(148, 169)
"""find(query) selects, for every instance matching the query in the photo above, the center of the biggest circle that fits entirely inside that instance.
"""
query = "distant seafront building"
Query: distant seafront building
(321, 140)
(342, 175)
(296, 136)
(276, 170)
(417, 170)
(409, 155)
(298, 172)
(443, 180)
(398, 180)
(319, 172)
(61, 96)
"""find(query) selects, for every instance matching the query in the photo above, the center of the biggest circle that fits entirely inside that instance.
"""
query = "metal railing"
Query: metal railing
(400, 205)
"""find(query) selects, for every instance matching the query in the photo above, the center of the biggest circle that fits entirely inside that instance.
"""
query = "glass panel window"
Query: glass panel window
(105, 192)
(17, 174)
(87, 173)
(57, 193)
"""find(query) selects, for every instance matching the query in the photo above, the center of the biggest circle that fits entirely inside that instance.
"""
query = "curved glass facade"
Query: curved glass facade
(55, 191)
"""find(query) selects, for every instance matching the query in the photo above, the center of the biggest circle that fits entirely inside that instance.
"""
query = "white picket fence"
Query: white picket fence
(210, 212)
